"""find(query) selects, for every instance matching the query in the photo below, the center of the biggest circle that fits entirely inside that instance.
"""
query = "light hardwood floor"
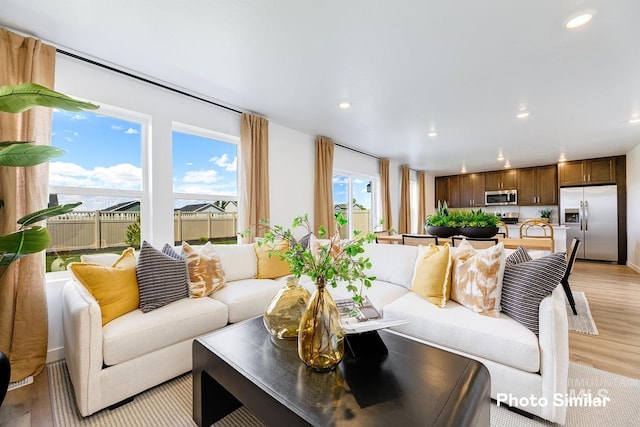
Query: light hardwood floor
(613, 293)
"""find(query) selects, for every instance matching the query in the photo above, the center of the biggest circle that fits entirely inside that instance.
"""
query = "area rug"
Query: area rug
(170, 404)
(582, 322)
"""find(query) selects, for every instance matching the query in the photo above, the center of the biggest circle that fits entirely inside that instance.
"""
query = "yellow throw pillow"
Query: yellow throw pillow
(271, 266)
(115, 288)
(432, 274)
(206, 275)
(476, 280)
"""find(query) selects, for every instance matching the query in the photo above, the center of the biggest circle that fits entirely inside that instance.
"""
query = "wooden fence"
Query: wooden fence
(96, 229)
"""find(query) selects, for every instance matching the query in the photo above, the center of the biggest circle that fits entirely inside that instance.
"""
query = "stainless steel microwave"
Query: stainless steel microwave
(501, 198)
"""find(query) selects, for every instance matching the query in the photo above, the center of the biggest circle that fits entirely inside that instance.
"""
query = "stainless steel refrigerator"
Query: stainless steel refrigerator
(591, 215)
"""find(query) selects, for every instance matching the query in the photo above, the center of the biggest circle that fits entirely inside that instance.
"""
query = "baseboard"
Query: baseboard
(633, 266)
(55, 354)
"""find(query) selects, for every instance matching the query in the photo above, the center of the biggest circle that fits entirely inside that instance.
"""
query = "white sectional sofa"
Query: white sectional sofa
(137, 351)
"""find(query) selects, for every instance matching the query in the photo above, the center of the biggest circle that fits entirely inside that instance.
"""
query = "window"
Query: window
(353, 195)
(102, 168)
(205, 185)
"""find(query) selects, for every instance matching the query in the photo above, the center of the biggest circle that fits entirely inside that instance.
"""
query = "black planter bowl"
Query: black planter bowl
(478, 232)
(442, 231)
(5, 375)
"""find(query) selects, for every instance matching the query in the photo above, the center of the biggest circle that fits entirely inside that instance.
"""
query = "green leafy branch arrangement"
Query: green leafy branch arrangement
(31, 238)
(328, 262)
(461, 218)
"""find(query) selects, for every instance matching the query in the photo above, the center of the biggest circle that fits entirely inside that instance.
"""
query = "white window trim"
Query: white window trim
(375, 196)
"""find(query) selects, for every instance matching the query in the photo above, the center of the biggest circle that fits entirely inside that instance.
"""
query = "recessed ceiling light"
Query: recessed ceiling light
(507, 164)
(432, 133)
(500, 156)
(522, 114)
(463, 170)
(562, 158)
(579, 20)
(344, 105)
(634, 120)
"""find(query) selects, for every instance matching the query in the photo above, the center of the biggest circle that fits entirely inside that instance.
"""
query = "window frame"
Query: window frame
(375, 196)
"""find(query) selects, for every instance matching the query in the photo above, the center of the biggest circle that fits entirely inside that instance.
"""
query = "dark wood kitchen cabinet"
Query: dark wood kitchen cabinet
(501, 180)
(587, 172)
(472, 190)
(448, 190)
(538, 186)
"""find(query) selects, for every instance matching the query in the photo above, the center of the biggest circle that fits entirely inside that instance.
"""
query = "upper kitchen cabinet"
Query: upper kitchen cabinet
(472, 190)
(586, 172)
(501, 180)
(538, 186)
(448, 190)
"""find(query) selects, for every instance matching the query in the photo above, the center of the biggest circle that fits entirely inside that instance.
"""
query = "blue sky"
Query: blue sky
(105, 152)
(341, 190)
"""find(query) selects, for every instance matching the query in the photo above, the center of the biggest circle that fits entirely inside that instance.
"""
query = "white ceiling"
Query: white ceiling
(463, 67)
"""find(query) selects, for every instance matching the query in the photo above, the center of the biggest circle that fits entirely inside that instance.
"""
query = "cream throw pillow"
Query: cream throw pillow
(206, 275)
(115, 288)
(270, 265)
(477, 278)
(432, 274)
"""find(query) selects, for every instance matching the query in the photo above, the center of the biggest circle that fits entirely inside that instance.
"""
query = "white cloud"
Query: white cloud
(223, 162)
(79, 116)
(123, 176)
(202, 176)
(131, 131)
(116, 127)
(189, 164)
(68, 139)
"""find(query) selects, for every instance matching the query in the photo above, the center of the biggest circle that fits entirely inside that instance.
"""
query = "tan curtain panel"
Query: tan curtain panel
(254, 142)
(23, 304)
(385, 194)
(405, 201)
(422, 201)
(323, 213)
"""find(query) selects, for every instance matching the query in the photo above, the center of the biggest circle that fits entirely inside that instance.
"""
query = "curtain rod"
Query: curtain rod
(125, 73)
(173, 89)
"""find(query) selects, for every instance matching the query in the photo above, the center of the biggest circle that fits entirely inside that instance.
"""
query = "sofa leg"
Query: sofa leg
(121, 403)
(516, 410)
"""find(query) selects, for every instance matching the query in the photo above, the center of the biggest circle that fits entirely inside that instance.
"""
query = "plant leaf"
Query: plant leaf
(26, 241)
(7, 143)
(47, 213)
(19, 98)
(28, 154)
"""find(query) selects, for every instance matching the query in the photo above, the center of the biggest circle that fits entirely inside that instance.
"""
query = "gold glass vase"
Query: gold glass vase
(321, 340)
(282, 315)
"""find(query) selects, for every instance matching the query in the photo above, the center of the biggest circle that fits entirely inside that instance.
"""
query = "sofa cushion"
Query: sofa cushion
(432, 274)
(391, 263)
(162, 278)
(205, 270)
(477, 276)
(500, 339)
(248, 297)
(269, 264)
(238, 261)
(137, 333)
(115, 288)
(526, 284)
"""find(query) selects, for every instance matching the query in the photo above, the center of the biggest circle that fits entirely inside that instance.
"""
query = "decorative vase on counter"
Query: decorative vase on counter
(321, 340)
(282, 315)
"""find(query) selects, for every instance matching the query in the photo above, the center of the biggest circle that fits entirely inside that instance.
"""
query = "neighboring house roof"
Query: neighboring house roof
(200, 207)
(130, 206)
(343, 207)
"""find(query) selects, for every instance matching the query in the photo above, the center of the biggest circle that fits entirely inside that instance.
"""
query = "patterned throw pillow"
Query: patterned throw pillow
(205, 270)
(526, 284)
(518, 256)
(477, 278)
(115, 288)
(432, 274)
(162, 278)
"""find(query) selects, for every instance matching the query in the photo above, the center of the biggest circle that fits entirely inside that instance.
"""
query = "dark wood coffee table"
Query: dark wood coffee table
(415, 385)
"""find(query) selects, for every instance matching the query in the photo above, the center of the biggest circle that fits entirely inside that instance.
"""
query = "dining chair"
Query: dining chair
(476, 242)
(571, 257)
(418, 239)
(382, 233)
(503, 230)
(536, 229)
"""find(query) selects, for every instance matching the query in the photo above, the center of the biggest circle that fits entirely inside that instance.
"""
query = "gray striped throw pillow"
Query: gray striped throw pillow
(162, 278)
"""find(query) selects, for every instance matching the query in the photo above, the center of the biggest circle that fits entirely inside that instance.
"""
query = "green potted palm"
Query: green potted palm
(29, 238)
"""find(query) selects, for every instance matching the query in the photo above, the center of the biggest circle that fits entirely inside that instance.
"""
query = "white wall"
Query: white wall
(633, 207)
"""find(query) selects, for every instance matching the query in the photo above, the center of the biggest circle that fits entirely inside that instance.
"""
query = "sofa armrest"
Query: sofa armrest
(82, 325)
(554, 353)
